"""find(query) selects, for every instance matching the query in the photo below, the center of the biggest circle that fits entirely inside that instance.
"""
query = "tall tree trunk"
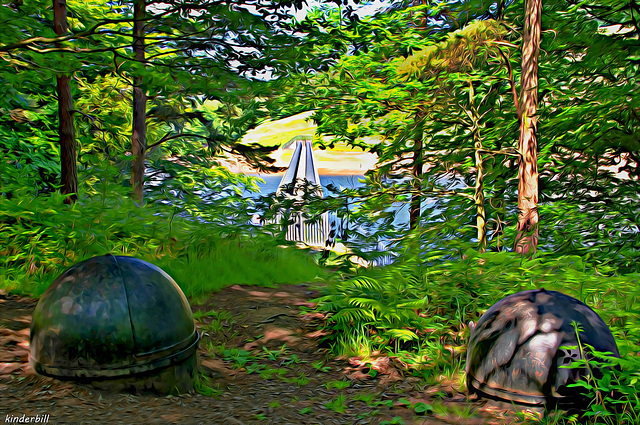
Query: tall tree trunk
(416, 198)
(139, 136)
(498, 202)
(66, 132)
(478, 196)
(527, 230)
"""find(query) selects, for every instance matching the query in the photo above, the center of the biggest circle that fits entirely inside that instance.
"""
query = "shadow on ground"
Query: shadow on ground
(263, 362)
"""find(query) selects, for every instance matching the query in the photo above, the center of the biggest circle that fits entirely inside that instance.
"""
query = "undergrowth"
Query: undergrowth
(40, 237)
(418, 311)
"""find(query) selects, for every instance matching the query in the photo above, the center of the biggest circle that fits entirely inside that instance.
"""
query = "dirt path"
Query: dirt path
(262, 354)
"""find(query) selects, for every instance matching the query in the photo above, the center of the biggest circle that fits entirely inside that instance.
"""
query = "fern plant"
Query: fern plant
(384, 310)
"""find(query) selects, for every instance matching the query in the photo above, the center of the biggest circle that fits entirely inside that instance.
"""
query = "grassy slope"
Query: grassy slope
(49, 237)
(230, 262)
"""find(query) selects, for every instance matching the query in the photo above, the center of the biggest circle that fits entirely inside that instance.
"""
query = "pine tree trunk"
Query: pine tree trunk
(416, 198)
(478, 197)
(66, 132)
(139, 135)
(527, 230)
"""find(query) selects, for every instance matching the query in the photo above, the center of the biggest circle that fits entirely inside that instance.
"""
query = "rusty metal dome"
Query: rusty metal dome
(108, 317)
(516, 349)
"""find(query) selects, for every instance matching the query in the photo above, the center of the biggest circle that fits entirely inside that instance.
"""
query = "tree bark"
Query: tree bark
(478, 197)
(139, 134)
(66, 130)
(416, 198)
(527, 229)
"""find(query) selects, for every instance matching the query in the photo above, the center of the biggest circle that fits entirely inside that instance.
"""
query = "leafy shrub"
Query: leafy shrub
(419, 308)
(613, 392)
(40, 237)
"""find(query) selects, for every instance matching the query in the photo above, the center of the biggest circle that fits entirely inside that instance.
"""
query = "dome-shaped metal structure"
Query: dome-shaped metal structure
(515, 352)
(110, 317)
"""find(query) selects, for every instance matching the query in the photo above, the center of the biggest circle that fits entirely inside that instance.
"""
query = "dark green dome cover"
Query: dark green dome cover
(516, 349)
(111, 316)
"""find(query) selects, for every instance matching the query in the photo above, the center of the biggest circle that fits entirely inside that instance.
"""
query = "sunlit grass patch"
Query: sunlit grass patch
(48, 237)
(231, 262)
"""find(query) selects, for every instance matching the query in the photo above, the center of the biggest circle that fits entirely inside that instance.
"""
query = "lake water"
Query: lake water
(272, 181)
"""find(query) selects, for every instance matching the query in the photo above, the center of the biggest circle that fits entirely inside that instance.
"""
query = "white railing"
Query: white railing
(312, 233)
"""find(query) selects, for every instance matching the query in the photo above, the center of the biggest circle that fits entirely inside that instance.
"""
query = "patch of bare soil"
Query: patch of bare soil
(262, 354)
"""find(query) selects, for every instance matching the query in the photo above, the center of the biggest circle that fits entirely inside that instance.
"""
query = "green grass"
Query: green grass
(419, 314)
(337, 404)
(202, 385)
(337, 384)
(46, 237)
(231, 262)
(416, 310)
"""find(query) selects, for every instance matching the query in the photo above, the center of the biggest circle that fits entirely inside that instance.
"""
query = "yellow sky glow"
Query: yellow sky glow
(340, 161)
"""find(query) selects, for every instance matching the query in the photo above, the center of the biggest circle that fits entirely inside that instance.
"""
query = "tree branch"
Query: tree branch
(166, 138)
(512, 83)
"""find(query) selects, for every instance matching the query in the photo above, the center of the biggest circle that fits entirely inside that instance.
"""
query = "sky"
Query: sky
(329, 162)
(341, 161)
(364, 8)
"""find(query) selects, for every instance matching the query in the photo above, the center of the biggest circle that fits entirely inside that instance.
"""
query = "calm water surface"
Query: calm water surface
(271, 182)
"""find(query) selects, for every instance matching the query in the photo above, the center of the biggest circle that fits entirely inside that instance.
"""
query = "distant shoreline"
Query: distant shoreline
(321, 172)
(328, 162)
